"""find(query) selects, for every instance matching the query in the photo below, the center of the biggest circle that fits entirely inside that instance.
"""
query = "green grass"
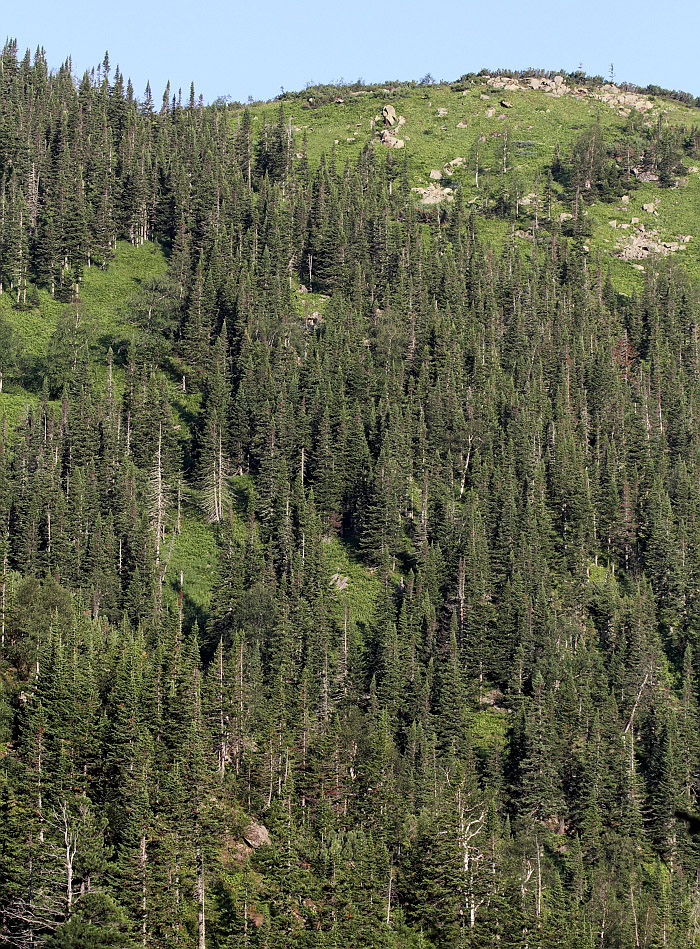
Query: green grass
(194, 554)
(360, 594)
(105, 295)
(489, 728)
(535, 125)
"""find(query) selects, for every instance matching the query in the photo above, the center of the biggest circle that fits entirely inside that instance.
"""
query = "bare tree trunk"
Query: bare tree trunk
(201, 940)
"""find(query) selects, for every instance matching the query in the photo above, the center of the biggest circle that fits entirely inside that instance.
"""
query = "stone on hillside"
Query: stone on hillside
(625, 199)
(565, 217)
(490, 113)
(506, 104)
(434, 194)
(442, 112)
(612, 223)
(649, 208)
(635, 220)
(462, 125)
(484, 97)
(389, 113)
(391, 141)
(256, 835)
(436, 175)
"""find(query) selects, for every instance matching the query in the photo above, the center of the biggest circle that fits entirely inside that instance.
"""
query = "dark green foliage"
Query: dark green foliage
(450, 657)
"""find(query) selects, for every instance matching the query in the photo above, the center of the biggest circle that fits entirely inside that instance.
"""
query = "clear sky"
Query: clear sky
(255, 48)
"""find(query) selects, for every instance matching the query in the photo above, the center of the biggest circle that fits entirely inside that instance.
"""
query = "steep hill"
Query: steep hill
(349, 515)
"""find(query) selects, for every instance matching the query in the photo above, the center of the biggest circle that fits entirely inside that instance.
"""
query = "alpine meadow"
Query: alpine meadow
(349, 514)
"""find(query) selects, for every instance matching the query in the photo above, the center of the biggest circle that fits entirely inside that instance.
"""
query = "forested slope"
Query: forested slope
(370, 521)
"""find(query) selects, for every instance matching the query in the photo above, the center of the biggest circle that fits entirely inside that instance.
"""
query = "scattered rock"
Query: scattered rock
(484, 97)
(442, 113)
(625, 199)
(565, 217)
(612, 223)
(649, 208)
(340, 582)
(635, 220)
(462, 125)
(389, 113)
(506, 104)
(434, 194)
(450, 166)
(256, 835)
(391, 141)
(490, 113)
(643, 243)
(436, 175)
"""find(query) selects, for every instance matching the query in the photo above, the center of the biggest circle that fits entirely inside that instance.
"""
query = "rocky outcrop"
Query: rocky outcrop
(643, 243)
(434, 194)
(391, 141)
(389, 115)
(610, 94)
(256, 835)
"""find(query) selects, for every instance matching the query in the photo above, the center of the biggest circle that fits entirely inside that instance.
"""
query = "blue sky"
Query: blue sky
(254, 49)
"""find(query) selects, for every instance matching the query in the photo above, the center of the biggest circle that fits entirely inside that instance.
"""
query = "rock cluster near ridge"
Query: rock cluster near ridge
(610, 94)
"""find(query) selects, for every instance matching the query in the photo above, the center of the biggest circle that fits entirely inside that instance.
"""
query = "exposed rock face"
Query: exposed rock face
(389, 113)
(256, 835)
(610, 94)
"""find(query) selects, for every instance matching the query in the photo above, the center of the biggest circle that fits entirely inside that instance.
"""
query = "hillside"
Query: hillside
(349, 514)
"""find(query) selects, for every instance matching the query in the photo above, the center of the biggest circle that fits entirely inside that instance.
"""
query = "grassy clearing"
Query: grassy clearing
(362, 587)
(194, 558)
(105, 295)
(535, 125)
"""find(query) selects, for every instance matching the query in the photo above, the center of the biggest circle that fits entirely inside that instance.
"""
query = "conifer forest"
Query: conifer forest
(349, 541)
